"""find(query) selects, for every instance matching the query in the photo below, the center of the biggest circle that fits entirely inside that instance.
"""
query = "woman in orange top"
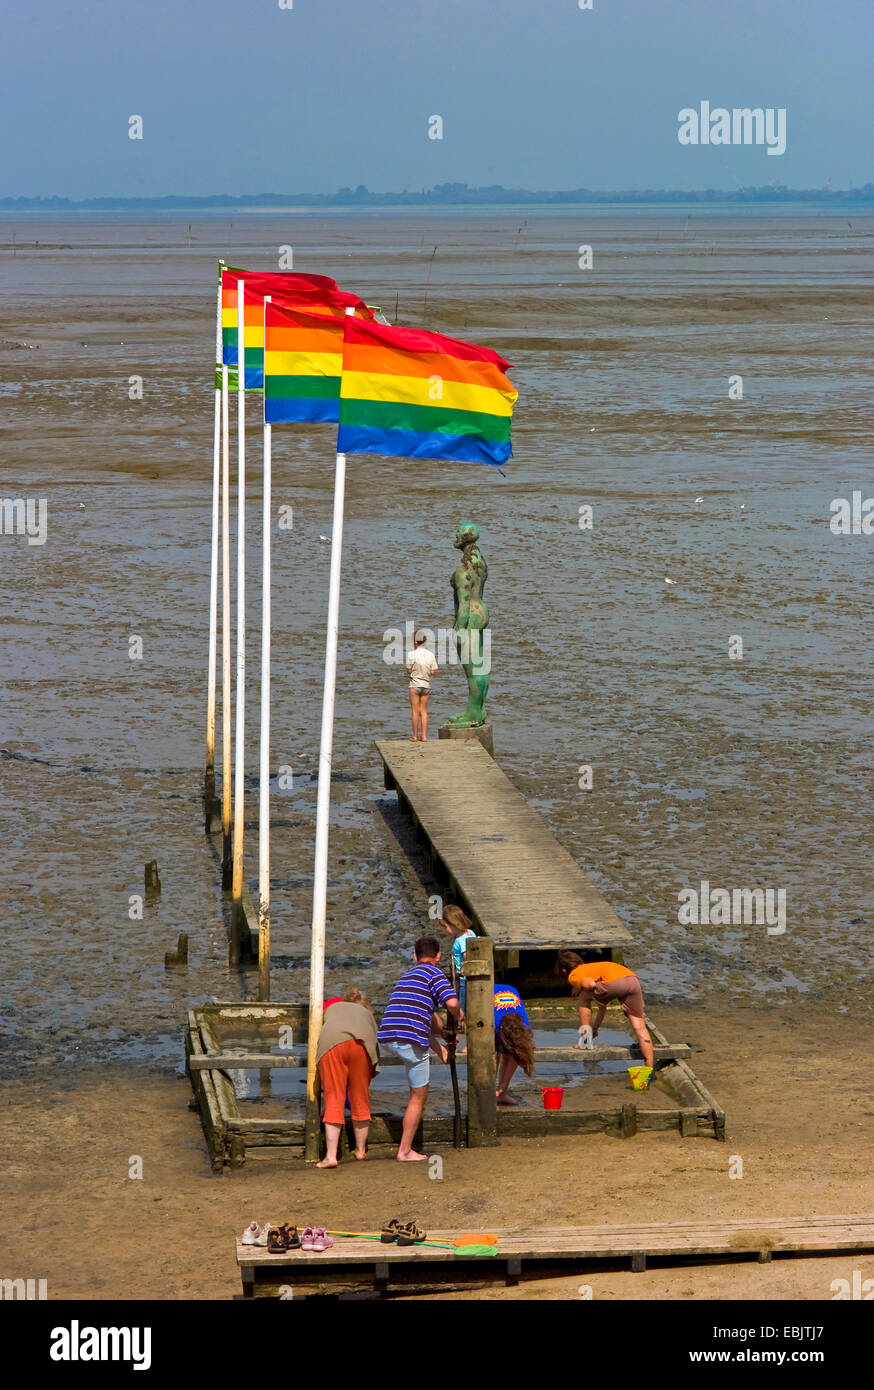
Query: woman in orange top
(602, 980)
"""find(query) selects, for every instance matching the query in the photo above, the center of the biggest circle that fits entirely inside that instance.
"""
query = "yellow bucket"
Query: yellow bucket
(639, 1077)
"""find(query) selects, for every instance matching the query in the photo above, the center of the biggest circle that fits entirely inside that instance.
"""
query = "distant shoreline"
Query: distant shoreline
(453, 195)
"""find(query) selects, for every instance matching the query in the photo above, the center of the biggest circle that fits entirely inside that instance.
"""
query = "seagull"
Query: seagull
(669, 581)
(82, 505)
(699, 499)
(324, 538)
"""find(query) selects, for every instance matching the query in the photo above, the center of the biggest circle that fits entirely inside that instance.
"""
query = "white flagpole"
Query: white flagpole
(239, 761)
(264, 783)
(226, 637)
(209, 775)
(312, 1138)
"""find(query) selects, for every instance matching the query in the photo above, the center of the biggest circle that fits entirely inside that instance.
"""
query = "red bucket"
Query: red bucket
(552, 1097)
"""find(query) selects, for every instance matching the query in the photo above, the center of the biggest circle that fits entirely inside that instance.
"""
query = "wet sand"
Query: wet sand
(747, 774)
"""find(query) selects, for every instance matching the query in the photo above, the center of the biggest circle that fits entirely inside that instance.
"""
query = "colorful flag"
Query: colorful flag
(412, 394)
(319, 293)
(303, 361)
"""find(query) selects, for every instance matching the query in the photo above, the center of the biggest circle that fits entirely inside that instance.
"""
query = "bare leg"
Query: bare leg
(506, 1071)
(361, 1127)
(423, 715)
(332, 1140)
(414, 707)
(412, 1118)
(644, 1039)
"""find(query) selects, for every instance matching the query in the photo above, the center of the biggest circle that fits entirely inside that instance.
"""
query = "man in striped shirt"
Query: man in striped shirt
(406, 1029)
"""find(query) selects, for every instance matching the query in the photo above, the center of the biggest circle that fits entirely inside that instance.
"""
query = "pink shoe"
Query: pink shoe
(321, 1239)
(308, 1238)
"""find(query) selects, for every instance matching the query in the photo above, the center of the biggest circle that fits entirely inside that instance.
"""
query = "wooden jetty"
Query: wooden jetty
(527, 897)
(359, 1266)
(492, 852)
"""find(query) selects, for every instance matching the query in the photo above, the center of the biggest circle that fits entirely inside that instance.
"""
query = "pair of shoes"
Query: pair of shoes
(281, 1239)
(405, 1234)
(315, 1238)
(255, 1233)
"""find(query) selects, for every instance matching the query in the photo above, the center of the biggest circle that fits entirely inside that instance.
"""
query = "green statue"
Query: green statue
(471, 620)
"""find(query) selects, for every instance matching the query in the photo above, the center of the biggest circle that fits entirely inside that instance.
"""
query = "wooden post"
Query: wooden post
(151, 879)
(479, 972)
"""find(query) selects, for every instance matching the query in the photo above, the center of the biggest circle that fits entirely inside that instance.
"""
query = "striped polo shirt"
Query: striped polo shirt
(416, 995)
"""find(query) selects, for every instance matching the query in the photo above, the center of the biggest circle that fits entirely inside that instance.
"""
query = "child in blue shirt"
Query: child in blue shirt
(514, 1041)
(458, 925)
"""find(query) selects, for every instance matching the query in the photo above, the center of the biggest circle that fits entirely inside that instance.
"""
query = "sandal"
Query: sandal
(390, 1232)
(291, 1237)
(275, 1241)
(411, 1234)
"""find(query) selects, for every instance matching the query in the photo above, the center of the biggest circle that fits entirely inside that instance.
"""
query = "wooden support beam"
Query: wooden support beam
(479, 972)
(257, 1061)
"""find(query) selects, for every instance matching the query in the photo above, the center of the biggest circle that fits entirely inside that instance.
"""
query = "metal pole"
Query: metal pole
(264, 783)
(226, 640)
(239, 758)
(323, 811)
(209, 775)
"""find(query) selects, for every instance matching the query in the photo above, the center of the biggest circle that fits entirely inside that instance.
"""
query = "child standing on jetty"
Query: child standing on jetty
(421, 666)
(600, 981)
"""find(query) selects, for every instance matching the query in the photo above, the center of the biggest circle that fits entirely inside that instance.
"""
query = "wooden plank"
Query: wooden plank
(256, 1061)
(207, 1101)
(520, 884)
(224, 1090)
(734, 1239)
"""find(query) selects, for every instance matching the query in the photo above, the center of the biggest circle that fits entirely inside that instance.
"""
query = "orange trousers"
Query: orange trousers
(346, 1067)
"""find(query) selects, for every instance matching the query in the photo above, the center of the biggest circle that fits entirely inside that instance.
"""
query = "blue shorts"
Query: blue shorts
(416, 1059)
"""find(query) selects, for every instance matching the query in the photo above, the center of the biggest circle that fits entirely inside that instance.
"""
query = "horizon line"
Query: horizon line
(447, 194)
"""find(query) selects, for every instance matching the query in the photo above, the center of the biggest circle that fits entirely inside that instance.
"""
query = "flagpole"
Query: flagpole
(209, 775)
(312, 1137)
(239, 761)
(226, 638)
(264, 783)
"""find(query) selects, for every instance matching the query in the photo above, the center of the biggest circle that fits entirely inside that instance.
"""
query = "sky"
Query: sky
(244, 97)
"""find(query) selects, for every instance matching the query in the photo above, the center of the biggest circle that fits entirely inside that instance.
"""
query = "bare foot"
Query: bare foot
(327, 1163)
(412, 1157)
(504, 1099)
(361, 1155)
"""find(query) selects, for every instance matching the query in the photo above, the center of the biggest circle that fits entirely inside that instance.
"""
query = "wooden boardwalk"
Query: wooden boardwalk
(521, 887)
(359, 1265)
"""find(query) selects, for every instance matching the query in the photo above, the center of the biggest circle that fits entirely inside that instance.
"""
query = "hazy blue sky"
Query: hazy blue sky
(240, 96)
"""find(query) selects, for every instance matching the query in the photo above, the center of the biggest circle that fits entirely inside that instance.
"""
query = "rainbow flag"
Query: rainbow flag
(412, 394)
(303, 362)
(319, 293)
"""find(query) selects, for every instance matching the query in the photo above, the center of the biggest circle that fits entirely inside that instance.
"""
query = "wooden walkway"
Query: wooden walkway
(358, 1265)
(521, 887)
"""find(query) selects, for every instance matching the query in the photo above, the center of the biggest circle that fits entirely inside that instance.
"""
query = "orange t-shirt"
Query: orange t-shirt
(598, 970)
